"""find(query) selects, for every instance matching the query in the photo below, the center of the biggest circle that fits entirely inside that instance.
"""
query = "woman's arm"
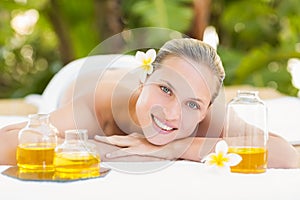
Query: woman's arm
(8, 145)
(63, 119)
(191, 148)
(105, 149)
(280, 153)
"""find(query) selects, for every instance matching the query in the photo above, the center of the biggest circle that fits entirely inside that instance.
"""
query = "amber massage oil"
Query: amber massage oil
(36, 157)
(254, 159)
(76, 165)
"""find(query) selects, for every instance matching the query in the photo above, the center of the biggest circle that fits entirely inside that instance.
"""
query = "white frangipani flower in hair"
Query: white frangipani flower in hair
(146, 60)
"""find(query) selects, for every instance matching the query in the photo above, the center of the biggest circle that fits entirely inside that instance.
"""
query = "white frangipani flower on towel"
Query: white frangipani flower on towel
(220, 159)
(146, 60)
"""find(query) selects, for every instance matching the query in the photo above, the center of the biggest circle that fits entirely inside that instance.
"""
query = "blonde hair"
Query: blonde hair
(197, 51)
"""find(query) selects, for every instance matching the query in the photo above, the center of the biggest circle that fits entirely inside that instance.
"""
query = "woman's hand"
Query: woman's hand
(135, 145)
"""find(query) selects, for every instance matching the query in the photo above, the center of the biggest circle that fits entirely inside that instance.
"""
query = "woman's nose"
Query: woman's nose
(172, 110)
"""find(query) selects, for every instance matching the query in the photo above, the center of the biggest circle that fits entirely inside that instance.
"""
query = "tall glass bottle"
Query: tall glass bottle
(246, 131)
(37, 142)
(75, 158)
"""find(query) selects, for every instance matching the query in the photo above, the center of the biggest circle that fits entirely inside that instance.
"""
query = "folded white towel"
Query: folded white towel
(48, 101)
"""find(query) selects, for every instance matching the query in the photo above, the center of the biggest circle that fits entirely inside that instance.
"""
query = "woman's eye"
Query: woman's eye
(193, 105)
(166, 90)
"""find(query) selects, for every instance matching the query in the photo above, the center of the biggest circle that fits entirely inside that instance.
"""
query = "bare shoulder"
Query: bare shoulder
(112, 97)
(114, 82)
(92, 83)
(89, 99)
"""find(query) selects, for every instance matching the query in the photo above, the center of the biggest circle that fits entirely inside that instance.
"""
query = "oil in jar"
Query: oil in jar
(254, 159)
(76, 158)
(76, 165)
(35, 157)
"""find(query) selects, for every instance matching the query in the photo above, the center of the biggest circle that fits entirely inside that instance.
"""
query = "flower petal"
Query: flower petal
(150, 69)
(219, 170)
(151, 53)
(234, 159)
(210, 159)
(140, 56)
(222, 147)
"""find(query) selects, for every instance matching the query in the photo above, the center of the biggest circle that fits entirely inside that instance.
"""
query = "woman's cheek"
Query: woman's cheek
(143, 108)
(148, 99)
(188, 123)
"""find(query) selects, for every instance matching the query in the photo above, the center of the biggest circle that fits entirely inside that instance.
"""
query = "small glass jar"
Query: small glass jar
(36, 144)
(246, 131)
(75, 158)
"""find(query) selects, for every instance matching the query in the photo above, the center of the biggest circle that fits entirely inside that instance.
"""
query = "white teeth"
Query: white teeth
(161, 125)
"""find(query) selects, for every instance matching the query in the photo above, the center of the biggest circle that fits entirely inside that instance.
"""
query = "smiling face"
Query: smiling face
(174, 99)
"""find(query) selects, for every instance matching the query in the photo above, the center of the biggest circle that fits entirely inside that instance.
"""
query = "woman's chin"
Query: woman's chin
(159, 137)
(158, 140)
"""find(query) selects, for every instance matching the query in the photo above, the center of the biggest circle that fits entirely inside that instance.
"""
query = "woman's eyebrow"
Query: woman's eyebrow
(197, 99)
(169, 84)
(191, 98)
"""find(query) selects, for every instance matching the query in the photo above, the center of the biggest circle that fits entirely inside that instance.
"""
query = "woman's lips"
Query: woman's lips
(162, 127)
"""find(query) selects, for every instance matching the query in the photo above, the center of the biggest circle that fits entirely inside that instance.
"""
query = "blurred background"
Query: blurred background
(258, 40)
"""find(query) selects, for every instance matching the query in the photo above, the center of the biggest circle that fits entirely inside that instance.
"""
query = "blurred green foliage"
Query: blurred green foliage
(27, 62)
(257, 37)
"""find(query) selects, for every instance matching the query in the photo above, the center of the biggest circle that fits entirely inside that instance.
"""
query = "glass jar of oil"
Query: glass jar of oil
(36, 144)
(76, 158)
(246, 131)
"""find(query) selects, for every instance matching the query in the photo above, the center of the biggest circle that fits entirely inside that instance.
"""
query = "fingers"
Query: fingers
(125, 152)
(134, 151)
(128, 156)
(136, 135)
(103, 139)
(133, 145)
(119, 153)
(117, 140)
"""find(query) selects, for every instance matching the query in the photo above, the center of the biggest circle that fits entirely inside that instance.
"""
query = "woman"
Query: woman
(161, 112)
